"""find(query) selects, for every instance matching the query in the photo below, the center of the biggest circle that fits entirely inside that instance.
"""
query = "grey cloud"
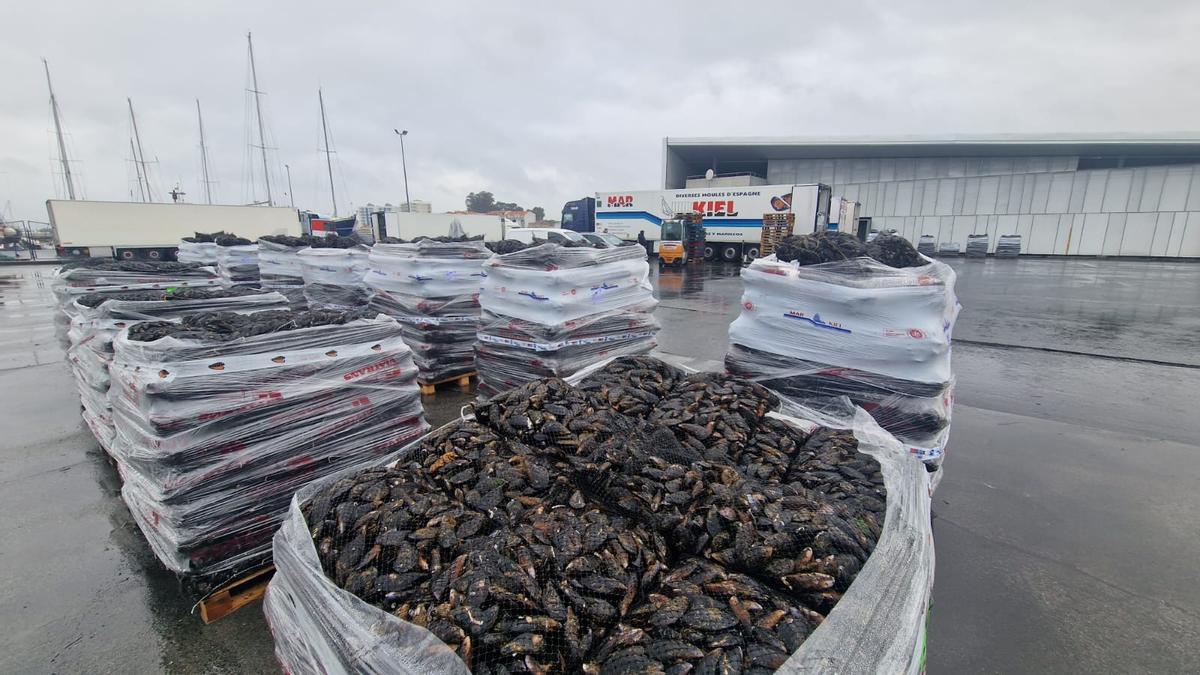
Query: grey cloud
(545, 102)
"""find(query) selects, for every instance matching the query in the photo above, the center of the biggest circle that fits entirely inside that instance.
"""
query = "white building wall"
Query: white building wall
(1144, 211)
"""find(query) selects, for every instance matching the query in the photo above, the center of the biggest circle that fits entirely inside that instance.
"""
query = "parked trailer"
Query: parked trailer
(133, 231)
(412, 225)
(732, 215)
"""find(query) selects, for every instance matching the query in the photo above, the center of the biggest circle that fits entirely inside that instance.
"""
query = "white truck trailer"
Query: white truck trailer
(133, 230)
(732, 215)
(412, 225)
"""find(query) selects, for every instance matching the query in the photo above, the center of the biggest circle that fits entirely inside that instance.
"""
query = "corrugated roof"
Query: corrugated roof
(787, 147)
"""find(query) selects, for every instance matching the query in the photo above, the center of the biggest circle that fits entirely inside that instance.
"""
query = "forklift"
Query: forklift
(681, 240)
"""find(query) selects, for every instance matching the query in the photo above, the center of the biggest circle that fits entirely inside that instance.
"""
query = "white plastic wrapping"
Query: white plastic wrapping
(333, 277)
(93, 328)
(432, 288)
(213, 436)
(280, 269)
(109, 276)
(877, 626)
(857, 328)
(238, 264)
(203, 252)
(555, 296)
(550, 310)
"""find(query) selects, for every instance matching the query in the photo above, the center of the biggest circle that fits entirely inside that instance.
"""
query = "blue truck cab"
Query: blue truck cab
(580, 215)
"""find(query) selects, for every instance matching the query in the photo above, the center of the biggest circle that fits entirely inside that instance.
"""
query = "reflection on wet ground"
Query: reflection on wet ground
(1060, 466)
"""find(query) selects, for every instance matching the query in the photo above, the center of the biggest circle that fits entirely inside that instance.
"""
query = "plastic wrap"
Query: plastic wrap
(550, 310)
(238, 264)
(333, 277)
(554, 296)
(857, 328)
(280, 269)
(95, 325)
(213, 436)
(877, 626)
(917, 413)
(511, 352)
(202, 252)
(432, 288)
(98, 275)
(1008, 246)
(977, 245)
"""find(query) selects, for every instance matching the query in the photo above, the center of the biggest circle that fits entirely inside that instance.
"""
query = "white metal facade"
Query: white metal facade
(1135, 195)
(1146, 211)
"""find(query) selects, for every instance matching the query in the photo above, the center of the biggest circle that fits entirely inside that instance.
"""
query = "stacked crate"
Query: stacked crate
(775, 227)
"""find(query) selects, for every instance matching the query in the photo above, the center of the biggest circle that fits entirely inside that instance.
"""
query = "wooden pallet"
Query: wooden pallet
(775, 227)
(463, 381)
(236, 594)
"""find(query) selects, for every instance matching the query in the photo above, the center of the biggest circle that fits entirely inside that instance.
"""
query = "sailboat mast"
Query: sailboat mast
(137, 170)
(262, 141)
(203, 157)
(62, 147)
(328, 162)
(141, 156)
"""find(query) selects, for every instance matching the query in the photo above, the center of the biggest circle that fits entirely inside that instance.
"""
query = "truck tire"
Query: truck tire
(729, 253)
(752, 253)
(710, 252)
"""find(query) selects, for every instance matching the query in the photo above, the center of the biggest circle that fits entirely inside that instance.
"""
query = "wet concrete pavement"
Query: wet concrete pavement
(1067, 525)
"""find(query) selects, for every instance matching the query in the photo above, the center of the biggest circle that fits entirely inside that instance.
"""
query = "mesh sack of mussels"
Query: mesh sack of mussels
(432, 288)
(220, 417)
(100, 316)
(643, 521)
(549, 311)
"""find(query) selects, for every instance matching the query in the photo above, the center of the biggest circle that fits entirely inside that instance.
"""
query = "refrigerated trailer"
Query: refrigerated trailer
(134, 230)
(733, 216)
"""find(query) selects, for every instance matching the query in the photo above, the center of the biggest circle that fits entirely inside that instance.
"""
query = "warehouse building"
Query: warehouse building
(1064, 194)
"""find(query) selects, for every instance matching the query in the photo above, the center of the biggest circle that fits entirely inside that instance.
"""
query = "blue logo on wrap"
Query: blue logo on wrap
(420, 278)
(533, 296)
(816, 320)
(598, 291)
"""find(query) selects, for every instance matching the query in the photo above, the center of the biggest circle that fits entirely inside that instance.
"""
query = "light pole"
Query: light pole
(291, 197)
(404, 165)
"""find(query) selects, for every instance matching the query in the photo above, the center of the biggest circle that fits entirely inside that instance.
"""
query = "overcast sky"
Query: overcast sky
(545, 102)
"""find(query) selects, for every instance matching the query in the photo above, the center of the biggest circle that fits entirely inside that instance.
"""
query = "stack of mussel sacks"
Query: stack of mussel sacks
(828, 316)
(431, 286)
(220, 417)
(551, 309)
(98, 317)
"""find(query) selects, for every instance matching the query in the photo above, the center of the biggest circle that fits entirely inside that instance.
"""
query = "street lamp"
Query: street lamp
(404, 165)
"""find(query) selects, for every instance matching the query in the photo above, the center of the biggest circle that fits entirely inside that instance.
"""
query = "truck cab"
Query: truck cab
(580, 215)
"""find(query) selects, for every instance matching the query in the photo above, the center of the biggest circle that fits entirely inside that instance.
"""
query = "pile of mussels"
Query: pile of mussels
(645, 521)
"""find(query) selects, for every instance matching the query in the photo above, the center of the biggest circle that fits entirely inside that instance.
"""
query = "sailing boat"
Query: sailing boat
(334, 225)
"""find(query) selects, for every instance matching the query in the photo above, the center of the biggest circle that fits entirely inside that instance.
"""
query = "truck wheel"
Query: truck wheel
(729, 253)
(752, 253)
(710, 252)
(154, 254)
(127, 254)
